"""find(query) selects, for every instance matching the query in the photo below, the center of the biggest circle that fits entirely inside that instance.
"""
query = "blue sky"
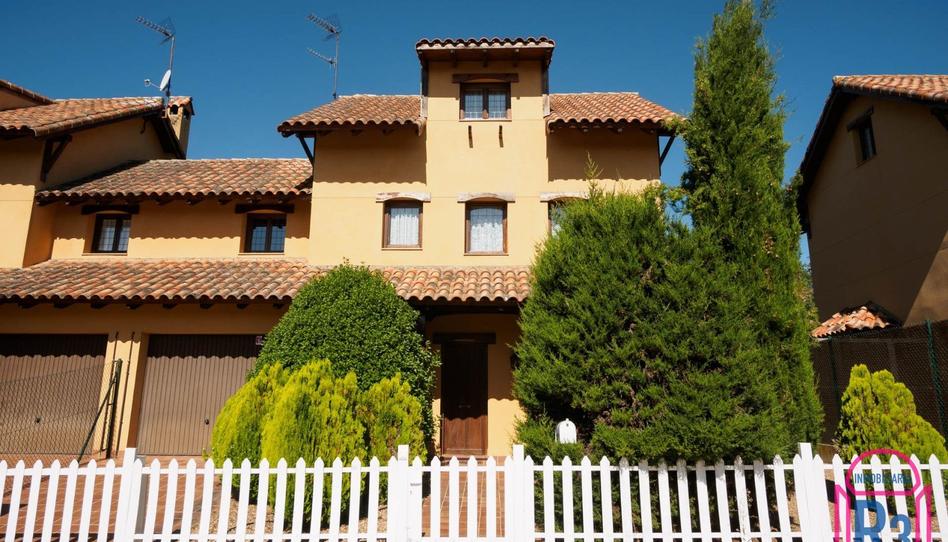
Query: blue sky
(246, 65)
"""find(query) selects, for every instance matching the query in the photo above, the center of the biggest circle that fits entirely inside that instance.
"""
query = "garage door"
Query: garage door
(49, 391)
(187, 380)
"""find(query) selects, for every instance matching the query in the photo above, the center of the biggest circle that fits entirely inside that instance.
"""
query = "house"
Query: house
(179, 267)
(873, 199)
(873, 202)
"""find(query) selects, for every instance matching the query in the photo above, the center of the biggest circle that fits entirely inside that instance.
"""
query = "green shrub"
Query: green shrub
(353, 317)
(314, 416)
(236, 434)
(391, 417)
(878, 412)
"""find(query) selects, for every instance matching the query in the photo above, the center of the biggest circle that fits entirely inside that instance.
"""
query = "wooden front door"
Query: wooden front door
(464, 398)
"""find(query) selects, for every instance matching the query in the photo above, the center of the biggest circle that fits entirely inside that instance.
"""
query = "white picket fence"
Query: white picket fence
(513, 499)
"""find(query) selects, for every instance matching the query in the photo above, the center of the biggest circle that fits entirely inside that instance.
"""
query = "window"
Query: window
(555, 213)
(265, 233)
(485, 101)
(486, 228)
(863, 136)
(402, 225)
(111, 233)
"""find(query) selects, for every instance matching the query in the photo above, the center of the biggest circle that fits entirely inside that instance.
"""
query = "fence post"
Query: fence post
(513, 495)
(398, 497)
(126, 515)
(414, 496)
(813, 504)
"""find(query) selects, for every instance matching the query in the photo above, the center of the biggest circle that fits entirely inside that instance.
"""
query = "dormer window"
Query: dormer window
(864, 140)
(265, 233)
(111, 233)
(485, 101)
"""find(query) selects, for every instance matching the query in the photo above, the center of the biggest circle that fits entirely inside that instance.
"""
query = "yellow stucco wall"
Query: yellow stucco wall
(28, 236)
(879, 230)
(452, 157)
(178, 230)
(503, 410)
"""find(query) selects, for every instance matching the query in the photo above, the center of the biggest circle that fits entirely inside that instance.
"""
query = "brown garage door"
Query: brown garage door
(49, 391)
(187, 380)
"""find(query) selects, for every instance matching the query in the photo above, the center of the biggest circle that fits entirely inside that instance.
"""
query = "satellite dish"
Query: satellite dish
(165, 81)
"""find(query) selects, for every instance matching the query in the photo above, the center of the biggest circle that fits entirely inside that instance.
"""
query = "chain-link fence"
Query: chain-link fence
(917, 356)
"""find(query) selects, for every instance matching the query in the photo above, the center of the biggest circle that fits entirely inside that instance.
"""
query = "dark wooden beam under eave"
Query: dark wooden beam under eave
(306, 149)
(52, 149)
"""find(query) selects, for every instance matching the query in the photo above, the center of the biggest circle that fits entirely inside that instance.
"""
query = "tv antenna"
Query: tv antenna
(166, 29)
(333, 31)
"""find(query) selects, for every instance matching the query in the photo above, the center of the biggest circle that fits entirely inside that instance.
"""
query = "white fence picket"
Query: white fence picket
(897, 483)
(684, 506)
(529, 524)
(704, 512)
(664, 502)
(415, 499)
(207, 501)
(154, 484)
(227, 473)
(740, 494)
(319, 475)
(187, 505)
(85, 513)
(490, 498)
(605, 498)
(625, 500)
(549, 497)
(171, 494)
(585, 474)
(568, 524)
(938, 492)
(52, 490)
(645, 502)
(32, 503)
(434, 508)
(878, 486)
(471, 474)
(454, 499)
(263, 490)
(372, 523)
(760, 498)
(783, 506)
(243, 500)
(279, 500)
(72, 476)
(720, 492)
(299, 500)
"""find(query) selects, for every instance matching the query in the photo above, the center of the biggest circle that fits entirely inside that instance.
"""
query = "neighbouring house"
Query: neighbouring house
(179, 267)
(874, 202)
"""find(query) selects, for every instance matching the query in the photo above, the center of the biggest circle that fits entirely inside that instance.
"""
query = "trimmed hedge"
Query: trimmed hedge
(353, 317)
(878, 412)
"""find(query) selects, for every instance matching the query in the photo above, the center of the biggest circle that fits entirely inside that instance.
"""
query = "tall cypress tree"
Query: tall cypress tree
(735, 157)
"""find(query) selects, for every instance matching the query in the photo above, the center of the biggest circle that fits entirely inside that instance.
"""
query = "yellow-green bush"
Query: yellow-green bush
(878, 412)
(314, 416)
(236, 434)
(392, 416)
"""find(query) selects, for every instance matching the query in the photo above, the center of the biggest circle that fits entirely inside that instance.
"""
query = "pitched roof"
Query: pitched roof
(67, 115)
(356, 111)
(233, 177)
(604, 108)
(485, 43)
(580, 109)
(30, 95)
(237, 281)
(860, 319)
(925, 89)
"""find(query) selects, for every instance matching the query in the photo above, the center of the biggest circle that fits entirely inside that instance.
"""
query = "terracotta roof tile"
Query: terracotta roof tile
(860, 319)
(921, 87)
(393, 110)
(25, 92)
(238, 280)
(484, 43)
(192, 178)
(66, 115)
(358, 110)
(605, 107)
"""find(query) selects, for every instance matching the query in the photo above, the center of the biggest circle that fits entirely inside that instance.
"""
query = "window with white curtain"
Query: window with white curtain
(555, 211)
(402, 224)
(486, 228)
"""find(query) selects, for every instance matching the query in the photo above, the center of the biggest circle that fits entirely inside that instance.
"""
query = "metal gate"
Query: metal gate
(50, 388)
(187, 380)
